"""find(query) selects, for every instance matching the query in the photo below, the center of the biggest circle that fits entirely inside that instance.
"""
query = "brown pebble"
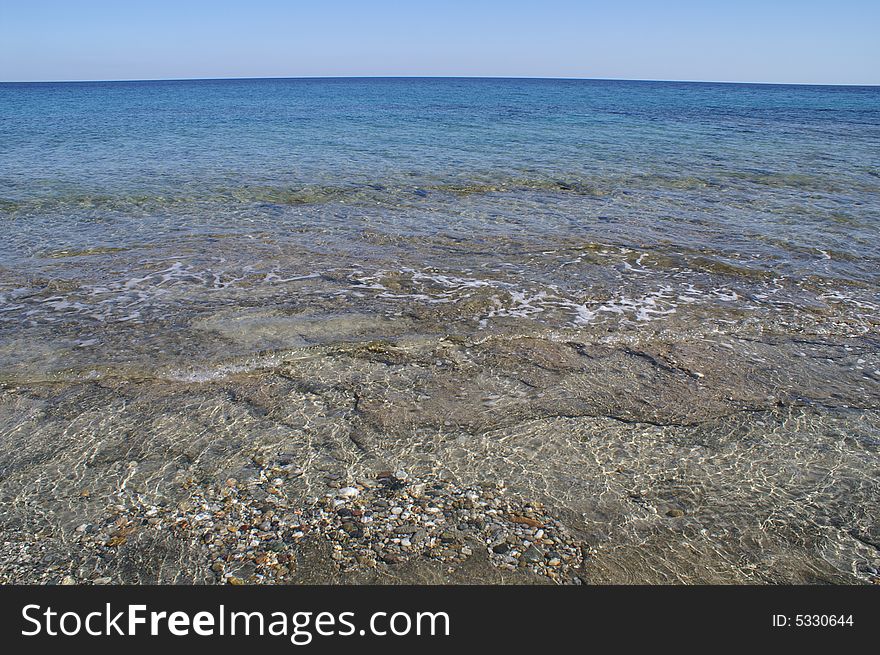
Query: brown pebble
(525, 520)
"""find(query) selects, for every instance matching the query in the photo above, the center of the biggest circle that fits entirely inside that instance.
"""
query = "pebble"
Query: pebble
(250, 536)
(525, 520)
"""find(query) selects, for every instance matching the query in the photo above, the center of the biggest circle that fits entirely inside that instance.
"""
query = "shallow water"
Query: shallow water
(652, 307)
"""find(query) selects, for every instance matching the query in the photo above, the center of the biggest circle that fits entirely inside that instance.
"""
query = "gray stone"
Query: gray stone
(533, 554)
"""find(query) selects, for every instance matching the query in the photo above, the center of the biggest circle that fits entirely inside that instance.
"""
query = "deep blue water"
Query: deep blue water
(191, 136)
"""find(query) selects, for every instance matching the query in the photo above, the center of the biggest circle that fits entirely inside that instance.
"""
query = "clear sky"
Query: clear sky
(806, 41)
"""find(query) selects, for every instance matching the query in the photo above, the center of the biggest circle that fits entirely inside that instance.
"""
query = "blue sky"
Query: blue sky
(810, 41)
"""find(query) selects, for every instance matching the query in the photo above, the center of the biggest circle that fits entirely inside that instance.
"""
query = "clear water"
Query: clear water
(426, 246)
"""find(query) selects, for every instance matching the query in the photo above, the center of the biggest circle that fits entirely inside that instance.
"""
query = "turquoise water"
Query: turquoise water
(652, 306)
(161, 144)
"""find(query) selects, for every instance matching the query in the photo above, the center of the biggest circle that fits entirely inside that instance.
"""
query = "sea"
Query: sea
(650, 308)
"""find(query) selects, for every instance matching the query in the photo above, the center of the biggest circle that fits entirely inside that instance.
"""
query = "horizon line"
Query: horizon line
(429, 77)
